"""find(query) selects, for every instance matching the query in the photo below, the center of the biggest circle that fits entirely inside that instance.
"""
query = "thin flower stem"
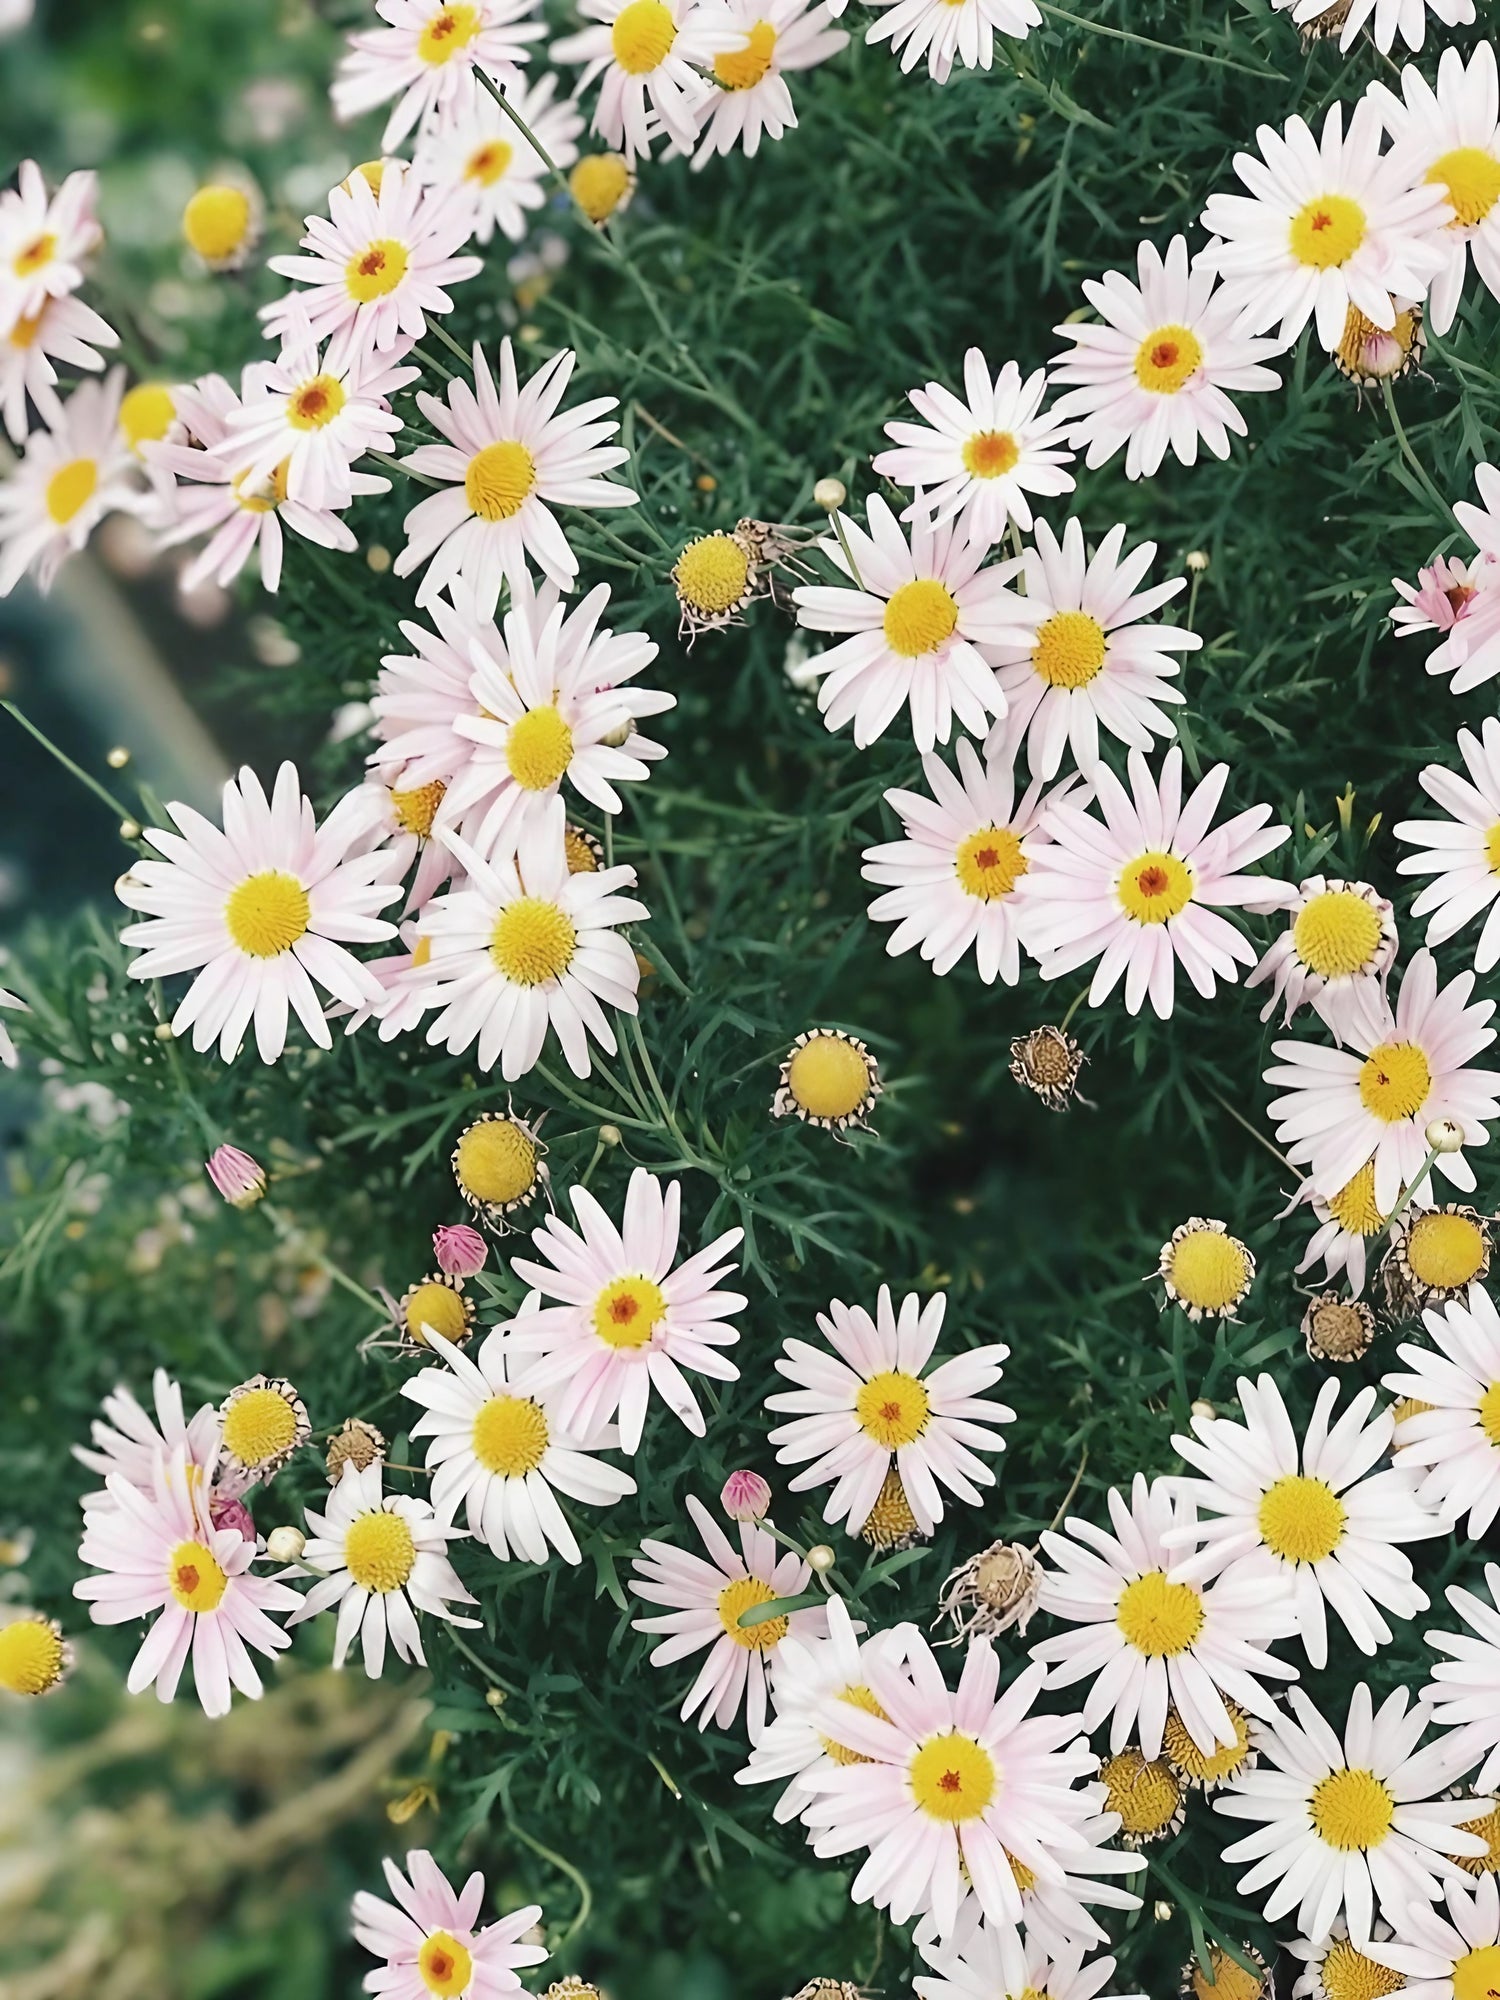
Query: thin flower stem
(521, 126)
(474, 1660)
(431, 361)
(1401, 1206)
(93, 784)
(1072, 1492)
(1145, 42)
(837, 519)
(579, 1881)
(1255, 1133)
(436, 326)
(1404, 445)
(1073, 1009)
(287, 1229)
(395, 465)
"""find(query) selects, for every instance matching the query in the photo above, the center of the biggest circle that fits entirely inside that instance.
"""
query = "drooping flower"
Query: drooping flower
(73, 471)
(431, 1941)
(426, 55)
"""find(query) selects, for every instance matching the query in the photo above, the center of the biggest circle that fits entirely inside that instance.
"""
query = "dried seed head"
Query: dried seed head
(1048, 1063)
(354, 1443)
(1337, 1329)
(992, 1591)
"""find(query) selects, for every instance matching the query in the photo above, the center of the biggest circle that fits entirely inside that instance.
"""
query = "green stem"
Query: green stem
(437, 327)
(1072, 1010)
(521, 126)
(574, 1875)
(93, 784)
(1145, 42)
(1396, 1213)
(1403, 443)
(431, 361)
(837, 519)
(395, 465)
(1255, 1132)
(286, 1228)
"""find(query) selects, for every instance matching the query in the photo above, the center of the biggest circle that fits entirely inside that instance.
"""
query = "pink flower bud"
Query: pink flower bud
(460, 1250)
(237, 1177)
(746, 1496)
(225, 1512)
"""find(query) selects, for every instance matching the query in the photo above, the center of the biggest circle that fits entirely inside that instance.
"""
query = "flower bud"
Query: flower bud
(238, 1178)
(830, 495)
(821, 1558)
(460, 1250)
(746, 1496)
(226, 1512)
(610, 1135)
(1445, 1135)
(285, 1545)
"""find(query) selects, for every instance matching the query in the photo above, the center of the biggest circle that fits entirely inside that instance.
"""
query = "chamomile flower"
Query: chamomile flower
(1452, 1441)
(943, 29)
(498, 1451)
(1376, 1098)
(1347, 17)
(1141, 892)
(1338, 946)
(1151, 1632)
(35, 1658)
(72, 472)
(1076, 651)
(1464, 1692)
(1452, 1955)
(1336, 1969)
(874, 1405)
(1349, 1221)
(978, 1972)
(627, 1317)
(426, 54)
(261, 1423)
(1460, 600)
(429, 1937)
(45, 240)
(651, 55)
(1311, 1511)
(917, 612)
(129, 1443)
(262, 912)
(1157, 373)
(1462, 851)
(974, 459)
(706, 1601)
(1326, 225)
(777, 38)
(481, 151)
(63, 330)
(512, 456)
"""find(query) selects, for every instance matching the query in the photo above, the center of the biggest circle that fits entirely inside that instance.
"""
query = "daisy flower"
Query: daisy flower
(943, 29)
(1348, 1222)
(1462, 851)
(428, 1936)
(628, 1318)
(1338, 946)
(1464, 1692)
(917, 613)
(1326, 225)
(478, 149)
(1410, 16)
(64, 330)
(977, 1973)
(706, 1601)
(379, 263)
(498, 1451)
(1076, 652)
(1141, 891)
(1312, 1513)
(524, 946)
(511, 457)
(70, 475)
(1157, 373)
(262, 912)
(1375, 1099)
(420, 695)
(129, 1444)
(1337, 1970)
(651, 55)
(1453, 1958)
(951, 880)
(405, 978)
(776, 39)
(1453, 1440)
(874, 1406)
(1348, 1827)
(975, 459)
(384, 1558)
(1150, 1631)
(160, 1554)
(426, 55)
(1460, 600)
(44, 240)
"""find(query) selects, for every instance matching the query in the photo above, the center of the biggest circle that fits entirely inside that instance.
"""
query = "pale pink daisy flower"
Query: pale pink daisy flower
(1141, 890)
(64, 330)
(420, 695)
(778, 38)
(424, 57)
(238, 1178)
(941, 30)
(1464, 1692)
(71, 474)
(1389, 16)
(402, 816)
(405, 979)
(976, 458)
(651, 55)
(1461, 601)
(1349, 1223)
(1452, 1442)
(1447, 1957)
(130, 1444)
(44, 241)
(481, 151)
(977, 1971)
(431, 1941)
(706, 1601)
(1462, 852)
(1334, 955)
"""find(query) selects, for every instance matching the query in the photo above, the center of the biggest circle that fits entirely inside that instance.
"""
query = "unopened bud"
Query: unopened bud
(117, 758)
(130, 829)
(238, 1178)
(830, 495)
(610, 1135)
(1203, 1409)
(745, 1497)
(1445, 1135)
(1197, 560)
(460, 1250)
(285, 1545)
(495, 1697)
(1163, 1911)
(163, 1031)
(821, 1558)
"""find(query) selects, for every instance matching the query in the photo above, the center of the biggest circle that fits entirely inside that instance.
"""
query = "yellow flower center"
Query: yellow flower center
(1301, 1520)
(1394, 1081)
(642, 36)
(510, 1436)
(533, 941)
(742, 69)
(539, 748)
(1353, 1207)
(379, 1552)
(1158, 1618)
(71, 488)
(1155, 887)
(1446, 1251)
(581, 858)
(495, 1161)
(712, 574)
(259, 1425)
(261, 499)
(1488, 1830)
(735, 1599)
(1207, 1767)
(216, 222)
(450, 30)
(489, 161)
(417, 809)
(1489, 1414)
(1070, 649)
(500, 477)
(196, 1579)
(953, 1778)
(1145, 1793)
(861, 1698)
(892, 1408)
(1025, 1879)
(35, 257)
(316, 403)
(445, 1964)
(919, 617)
(829, 1077)
(267, 913)
(890, 1520)
(1327, 232)
(1209, 1269)
(25, 330)
(990, 454)
(629, 1310)
(1336, 933)
(1470, 177)
(990, 863)
(1168, 359)
(374, 272)
(437, 1306)
(599, 183)
(1352, 1810)
(1349, 1975)
(146, 414)
(1223, 1979)
(1476, 1976)
(31, 1656)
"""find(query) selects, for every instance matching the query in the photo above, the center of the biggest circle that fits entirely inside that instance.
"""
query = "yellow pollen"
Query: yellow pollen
(1158, 1618)
(1327, 232)
(146, 414)
(742, 69)
(642, 36)
(35, 257)
(267, 913)
(990, 454)
(1070, 649)
(25, 331)
(1445, 1251)
(1145, 1793)
(581, 858)
(372, 173)
(1492, 848)
(1352, 1811)
(953, 1778)
(258, 1426)
(712, 574)
(736, 1598)
(258, 499)
(1223, 1979)
(919, 617)
(1168, 359)
(71, 488)
(31, 1656)
(1349, 1975)
(1025, 1878)
(316, 403)
(1183, 1754)
(450, 30)
(417, 809)
(197, 1582)
(861, 1698)
(1336, 933)
(1155, 887)
(1394, 1081)
(1476, 1976)
(828, 1077)
(1301, 1520)
(437, 1306)
(489, 161)
(495, 1161)
(629, 1310)
(533, 941)
(1470, 177)
(990, 863)
(1489, 1414)
(599, 183)
(510, 1436)
(1488, 1830)
(1353, 1207)
(379, 1552)
(500, 478)
(539, 748)
(1209, 1269)
(445, 1965)
(216, 222)
(892, 1408)
(421, 952)
(374, 272)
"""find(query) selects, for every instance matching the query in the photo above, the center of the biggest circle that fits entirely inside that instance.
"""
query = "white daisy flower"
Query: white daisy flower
(951, 880)
(379, 263)
(1335, 1969)
(874, 1405)
(1157, 374)
(977, 1972)
(1375, 1099)
(383, 1558)
(524, 946)
(628, 1317)
(1312, 1513)
(69, 476)
(1464, 1692)
(161, 1555)
(498, 1450)
(1409, 16)
(1462, 852)
(1457, 1958)
(1460, 600)
(44, 241)
(262, 912)
(1076, 652)
(917, 612)
(943, 29)
(1150, 1632)
(975, 459)
(424, 57)
(1453, 1443)
(651, 55)
(481, 151)
(706, 1601)
(1141, 891)
(1347, 1827)
(64, 330)
(511, 457)
(405, 980)
(1326, 225)
(776, 39)
(1349, 1221)
(420, 695)
(1334, 955)
(130, 1444)
(429, 1940)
